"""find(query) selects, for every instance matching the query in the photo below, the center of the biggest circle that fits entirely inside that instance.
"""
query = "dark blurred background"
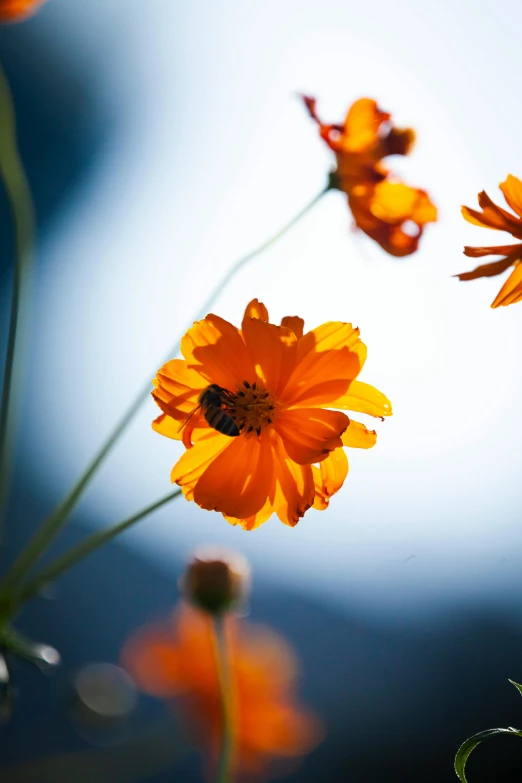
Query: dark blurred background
(155, 143)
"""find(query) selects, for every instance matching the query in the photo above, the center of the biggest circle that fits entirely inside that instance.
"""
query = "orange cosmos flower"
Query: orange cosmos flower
(500, 219)
(390, 212)
(16, 10)
(277, 386)
(177, 660)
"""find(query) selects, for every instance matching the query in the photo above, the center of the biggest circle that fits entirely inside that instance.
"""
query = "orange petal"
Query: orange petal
(154, 663)
(337, 368)
(193, 462)
(395, 202)
(256, 309)
(511, 291)
(256, 520)
(273, 350)
(363, 398)
(294, 485)
(492, 216)
(17, 10)
(487, 270)
(216, 350)
(357, 436)
(309, 434)
(497, 250)
(238, 480)
(332, 352)
(177, 388)
(329, 477)
(512, 190)
(362, 125)
(294, 323)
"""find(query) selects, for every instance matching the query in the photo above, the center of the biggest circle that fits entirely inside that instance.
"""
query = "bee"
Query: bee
(211, 402)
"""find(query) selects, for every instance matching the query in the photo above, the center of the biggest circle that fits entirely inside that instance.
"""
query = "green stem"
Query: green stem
(57, 567)
(19, 195)
(224, 768)
(57, 519)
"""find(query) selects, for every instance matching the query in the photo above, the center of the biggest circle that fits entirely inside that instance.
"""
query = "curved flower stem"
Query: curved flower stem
(17, 189)
(57, 567)
(224, 769)
(57, 519)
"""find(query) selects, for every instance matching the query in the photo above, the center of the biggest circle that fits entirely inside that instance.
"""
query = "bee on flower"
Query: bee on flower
(390, 212)
(498, 218)
(260, 412)
(17, 10)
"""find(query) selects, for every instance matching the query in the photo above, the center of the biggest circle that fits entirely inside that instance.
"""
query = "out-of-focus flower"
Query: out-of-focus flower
(178, 661)
(275, 386)
(493, 216)
(216, 580)
(16, 10)
(390, 212)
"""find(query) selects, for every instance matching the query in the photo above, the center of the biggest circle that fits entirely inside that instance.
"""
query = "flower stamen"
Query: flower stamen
(251, 408)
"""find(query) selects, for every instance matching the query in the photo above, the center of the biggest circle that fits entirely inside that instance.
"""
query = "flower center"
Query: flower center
(252, 407)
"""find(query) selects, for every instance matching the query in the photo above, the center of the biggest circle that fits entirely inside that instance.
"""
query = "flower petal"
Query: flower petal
(154, 662)
(332, 352)
(177, 388)
(357, 436)
(512, 190)
(487, 270)
(188, 469)
(256, 520)
(294, 323)
(511, 291)
(216, 350)
(256, 309)
(492, 216)
(497, 250)
(329, 477)
(309, 434)
(363, 398)
(294, 485)
(273, 350)
(238, 480)
(362, 125)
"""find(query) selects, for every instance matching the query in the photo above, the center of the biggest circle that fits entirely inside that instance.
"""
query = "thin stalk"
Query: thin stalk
(57, 567)
(57, 519)
(224, 768)
(19, 195)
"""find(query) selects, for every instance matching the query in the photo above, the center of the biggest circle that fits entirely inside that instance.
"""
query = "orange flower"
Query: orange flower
(500, 219)
(390, 212)
(16, 10)
(279, 386)
(178, 661)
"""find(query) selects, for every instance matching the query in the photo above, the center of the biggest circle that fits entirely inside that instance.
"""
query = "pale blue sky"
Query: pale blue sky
(213, 153)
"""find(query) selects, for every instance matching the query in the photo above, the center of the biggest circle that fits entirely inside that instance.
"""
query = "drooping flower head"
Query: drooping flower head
(17, 10)
(281, 393)
(390, 212)
(176, 661)
(493, 216)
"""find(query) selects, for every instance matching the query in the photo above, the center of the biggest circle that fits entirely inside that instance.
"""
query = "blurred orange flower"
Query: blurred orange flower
(390, 212)
(278, 386)
(500, 219)
(16, 10)
(178, 661)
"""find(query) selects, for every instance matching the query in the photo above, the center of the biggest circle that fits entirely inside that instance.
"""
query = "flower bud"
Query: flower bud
(216, 580)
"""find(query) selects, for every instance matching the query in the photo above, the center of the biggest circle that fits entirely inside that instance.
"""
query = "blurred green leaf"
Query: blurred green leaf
(517, 686)
(471, 743)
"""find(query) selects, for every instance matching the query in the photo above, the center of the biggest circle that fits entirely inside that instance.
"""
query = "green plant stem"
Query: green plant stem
(57, 519)
(19, 195)
(57, 567)
(224, 768)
